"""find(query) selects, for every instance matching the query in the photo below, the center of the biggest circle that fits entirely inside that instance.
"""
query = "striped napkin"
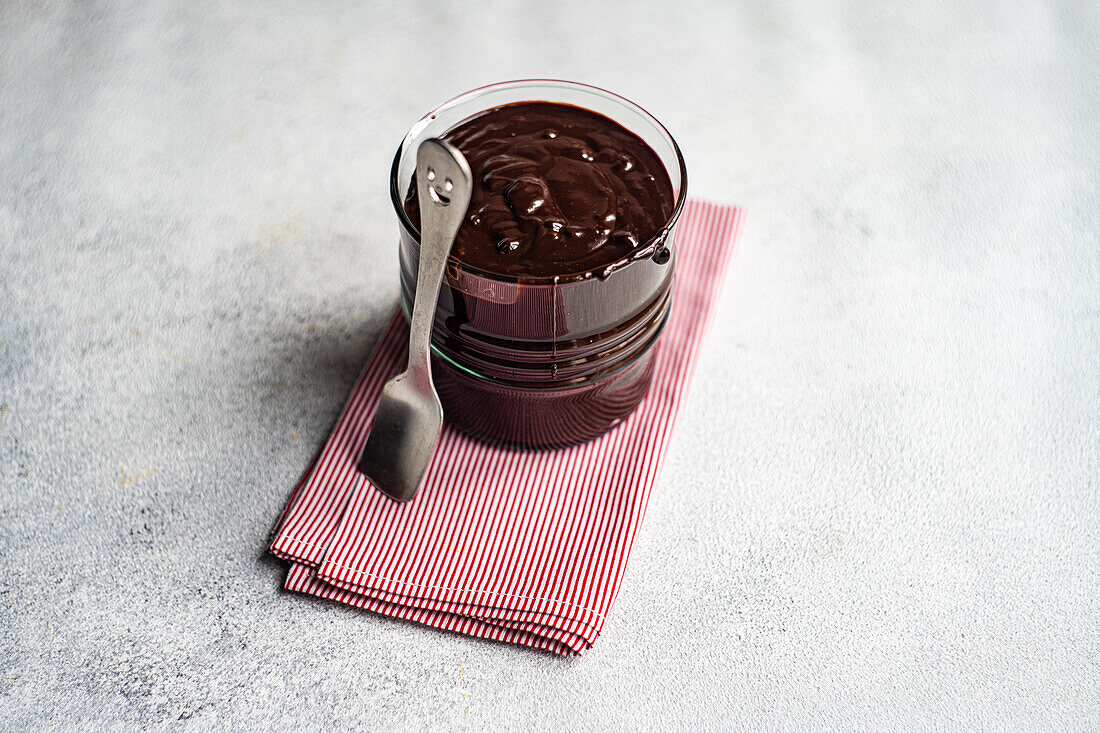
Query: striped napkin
(519, 546)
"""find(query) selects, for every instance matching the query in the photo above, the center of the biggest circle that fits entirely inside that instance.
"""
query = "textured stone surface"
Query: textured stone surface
(880, 506)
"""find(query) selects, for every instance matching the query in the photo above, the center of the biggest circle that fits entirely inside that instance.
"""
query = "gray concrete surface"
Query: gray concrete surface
(880, 508)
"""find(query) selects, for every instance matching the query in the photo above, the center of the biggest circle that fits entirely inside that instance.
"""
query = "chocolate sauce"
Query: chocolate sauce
(558, 190)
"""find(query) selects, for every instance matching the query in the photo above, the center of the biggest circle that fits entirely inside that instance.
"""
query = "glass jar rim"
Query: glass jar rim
(397, 197)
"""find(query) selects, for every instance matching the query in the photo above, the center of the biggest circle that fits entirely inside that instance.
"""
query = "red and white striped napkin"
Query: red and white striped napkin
(520, 546)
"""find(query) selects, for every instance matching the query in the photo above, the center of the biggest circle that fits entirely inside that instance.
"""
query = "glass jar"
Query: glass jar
(543, 362)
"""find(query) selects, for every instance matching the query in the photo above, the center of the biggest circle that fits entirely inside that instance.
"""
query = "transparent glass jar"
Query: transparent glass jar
(544, 362)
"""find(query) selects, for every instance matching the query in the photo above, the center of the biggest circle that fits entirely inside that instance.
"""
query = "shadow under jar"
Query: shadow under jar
(544, 360)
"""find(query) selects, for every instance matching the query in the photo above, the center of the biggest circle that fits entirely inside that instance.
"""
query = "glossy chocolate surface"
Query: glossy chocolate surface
(558, 190)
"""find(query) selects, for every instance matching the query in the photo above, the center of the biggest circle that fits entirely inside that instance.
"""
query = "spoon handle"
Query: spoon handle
(443, 181)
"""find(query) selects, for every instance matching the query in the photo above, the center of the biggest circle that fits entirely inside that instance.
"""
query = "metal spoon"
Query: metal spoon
(409, 416)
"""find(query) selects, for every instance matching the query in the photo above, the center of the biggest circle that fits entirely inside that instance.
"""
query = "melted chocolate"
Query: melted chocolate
(558, 190)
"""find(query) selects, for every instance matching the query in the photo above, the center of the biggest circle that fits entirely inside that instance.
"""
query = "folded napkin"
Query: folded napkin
(520, 546)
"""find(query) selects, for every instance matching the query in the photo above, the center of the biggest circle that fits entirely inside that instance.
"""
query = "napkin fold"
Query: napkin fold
(526, 547)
